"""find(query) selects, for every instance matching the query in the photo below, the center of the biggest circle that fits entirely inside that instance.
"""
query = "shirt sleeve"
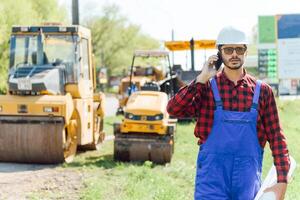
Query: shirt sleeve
(183, 103)
(275, 136)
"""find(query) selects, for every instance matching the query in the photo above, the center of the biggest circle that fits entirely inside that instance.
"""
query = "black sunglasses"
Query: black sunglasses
(238, 50)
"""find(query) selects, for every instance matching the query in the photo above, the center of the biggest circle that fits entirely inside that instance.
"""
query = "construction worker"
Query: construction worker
(236, 115)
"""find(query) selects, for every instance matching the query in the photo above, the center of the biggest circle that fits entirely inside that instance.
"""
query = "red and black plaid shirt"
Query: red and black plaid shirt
(196, 100)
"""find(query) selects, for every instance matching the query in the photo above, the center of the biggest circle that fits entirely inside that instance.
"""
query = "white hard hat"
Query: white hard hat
(231, 35)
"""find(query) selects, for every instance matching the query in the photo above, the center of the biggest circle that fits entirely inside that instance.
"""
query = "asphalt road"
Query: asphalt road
(111, 105)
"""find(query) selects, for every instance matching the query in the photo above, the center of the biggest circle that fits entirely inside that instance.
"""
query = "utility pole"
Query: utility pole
(173, 51)
(192, 43)
(75, 12)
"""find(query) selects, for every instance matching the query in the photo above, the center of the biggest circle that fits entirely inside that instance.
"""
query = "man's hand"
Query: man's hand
(208, 70)
(279, 190)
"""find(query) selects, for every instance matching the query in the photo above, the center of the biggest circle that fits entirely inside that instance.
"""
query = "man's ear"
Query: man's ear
(246, 53)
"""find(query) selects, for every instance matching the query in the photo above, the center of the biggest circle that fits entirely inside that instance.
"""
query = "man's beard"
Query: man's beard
(234, 68)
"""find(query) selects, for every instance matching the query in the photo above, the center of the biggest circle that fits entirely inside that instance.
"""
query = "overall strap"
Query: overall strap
(216, 94)
(256, 95)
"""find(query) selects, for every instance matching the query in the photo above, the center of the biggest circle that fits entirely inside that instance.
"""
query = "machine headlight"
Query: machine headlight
(155, 117)
(129, 116)
(159, 117)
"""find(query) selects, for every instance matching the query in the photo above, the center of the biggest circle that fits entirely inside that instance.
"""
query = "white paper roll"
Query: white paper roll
(268, 196)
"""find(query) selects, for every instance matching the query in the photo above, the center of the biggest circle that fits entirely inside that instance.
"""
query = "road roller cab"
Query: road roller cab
(146, 132)
(138, 76)
(51, 106)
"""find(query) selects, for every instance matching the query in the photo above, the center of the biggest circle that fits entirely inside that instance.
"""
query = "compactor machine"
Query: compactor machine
(138, 77)
(51, 106)
(147, 131)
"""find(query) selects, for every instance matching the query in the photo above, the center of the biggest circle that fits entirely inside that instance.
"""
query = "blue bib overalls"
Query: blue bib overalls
(229, 163)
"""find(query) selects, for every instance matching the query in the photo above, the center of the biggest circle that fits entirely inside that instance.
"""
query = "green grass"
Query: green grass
(117, 180)
(290, 116)
(129, 181)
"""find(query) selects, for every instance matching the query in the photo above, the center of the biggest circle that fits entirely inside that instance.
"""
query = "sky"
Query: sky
(190, 18)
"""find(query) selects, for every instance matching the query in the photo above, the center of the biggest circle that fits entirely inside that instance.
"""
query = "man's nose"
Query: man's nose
(234, 54)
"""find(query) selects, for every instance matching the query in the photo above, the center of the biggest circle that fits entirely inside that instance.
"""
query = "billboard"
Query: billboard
(266, 29)
(288, 26)
(267, 54)
(288, 46)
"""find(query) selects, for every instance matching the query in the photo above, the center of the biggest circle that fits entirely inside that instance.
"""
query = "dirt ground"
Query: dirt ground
(26, 181)
(32, 181)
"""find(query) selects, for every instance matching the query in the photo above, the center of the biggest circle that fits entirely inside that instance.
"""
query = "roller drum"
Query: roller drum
(158, 149)
(32, 139)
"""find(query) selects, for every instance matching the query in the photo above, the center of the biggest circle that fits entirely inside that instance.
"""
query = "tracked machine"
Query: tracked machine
(147, 131)
(50, 107)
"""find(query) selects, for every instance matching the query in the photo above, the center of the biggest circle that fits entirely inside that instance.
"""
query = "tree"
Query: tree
(252, 47)
(115, 39)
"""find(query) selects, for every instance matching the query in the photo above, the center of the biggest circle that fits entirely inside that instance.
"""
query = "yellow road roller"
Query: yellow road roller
(139, 76)
(147, 131)
(51, 106)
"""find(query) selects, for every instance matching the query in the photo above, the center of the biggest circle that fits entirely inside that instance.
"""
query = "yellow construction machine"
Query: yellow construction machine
(147, 131)
(51, 106)
(139, 76)
(187, 76)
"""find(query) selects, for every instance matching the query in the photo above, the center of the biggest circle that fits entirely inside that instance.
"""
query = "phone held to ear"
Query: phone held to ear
(219, 62)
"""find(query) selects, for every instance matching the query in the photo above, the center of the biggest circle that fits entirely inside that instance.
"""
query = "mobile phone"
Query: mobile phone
(219, 62)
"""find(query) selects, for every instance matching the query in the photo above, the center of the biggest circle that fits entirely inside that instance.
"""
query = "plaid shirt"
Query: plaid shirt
(196, 100)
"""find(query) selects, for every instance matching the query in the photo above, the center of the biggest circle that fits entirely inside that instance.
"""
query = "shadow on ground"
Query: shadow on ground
(104, 161)
(107, 162)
